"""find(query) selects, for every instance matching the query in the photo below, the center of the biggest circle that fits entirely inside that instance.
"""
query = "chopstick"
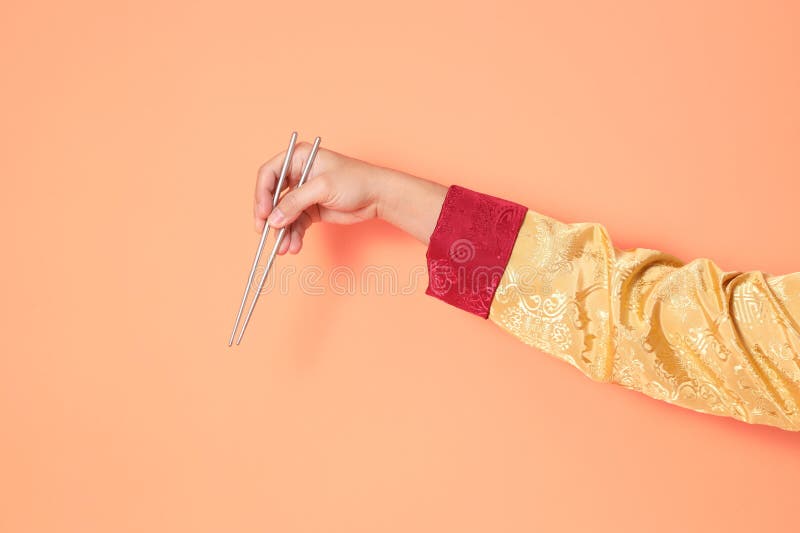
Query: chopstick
(284, 171)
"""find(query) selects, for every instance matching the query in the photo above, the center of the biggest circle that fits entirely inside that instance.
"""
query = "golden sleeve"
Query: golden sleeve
(691, 334)
(687, 333)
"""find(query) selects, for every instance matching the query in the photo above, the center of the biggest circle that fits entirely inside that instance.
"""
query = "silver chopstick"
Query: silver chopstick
(306, 170)
(284, 171)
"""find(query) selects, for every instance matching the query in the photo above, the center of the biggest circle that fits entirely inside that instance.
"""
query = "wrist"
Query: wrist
(410, 203)
(388, 193)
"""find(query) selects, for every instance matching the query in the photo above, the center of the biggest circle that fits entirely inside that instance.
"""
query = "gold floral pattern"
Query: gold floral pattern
(690, 334)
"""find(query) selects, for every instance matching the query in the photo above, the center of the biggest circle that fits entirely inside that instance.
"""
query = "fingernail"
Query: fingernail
(276, 217)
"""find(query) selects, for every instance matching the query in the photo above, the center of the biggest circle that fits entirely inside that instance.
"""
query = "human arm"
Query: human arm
(687, 333)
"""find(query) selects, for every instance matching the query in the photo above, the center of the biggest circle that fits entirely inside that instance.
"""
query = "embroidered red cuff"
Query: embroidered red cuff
(470, 247)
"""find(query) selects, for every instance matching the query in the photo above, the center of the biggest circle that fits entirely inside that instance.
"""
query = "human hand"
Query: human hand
(343, 190)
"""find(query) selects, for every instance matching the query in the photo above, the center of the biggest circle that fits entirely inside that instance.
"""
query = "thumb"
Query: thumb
(298, 200)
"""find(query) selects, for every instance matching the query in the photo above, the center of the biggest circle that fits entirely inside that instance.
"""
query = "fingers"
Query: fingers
(267, 180)
(298, 232)
(265, 188)
(293, 239)
(296, 201)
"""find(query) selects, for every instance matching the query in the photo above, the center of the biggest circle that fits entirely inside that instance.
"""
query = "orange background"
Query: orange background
(131, 134)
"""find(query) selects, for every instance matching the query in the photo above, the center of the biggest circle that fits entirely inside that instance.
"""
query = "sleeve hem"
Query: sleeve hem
(470, 247)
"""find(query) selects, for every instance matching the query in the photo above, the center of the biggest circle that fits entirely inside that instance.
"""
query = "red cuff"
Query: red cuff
(470, 247)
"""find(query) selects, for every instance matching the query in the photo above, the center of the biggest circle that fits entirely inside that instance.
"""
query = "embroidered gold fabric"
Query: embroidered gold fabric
(726, 343)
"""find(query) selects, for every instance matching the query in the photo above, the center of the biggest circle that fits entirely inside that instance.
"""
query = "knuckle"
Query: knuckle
(324, 182)
(296, 165)
(301, 150)
(261, 169)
